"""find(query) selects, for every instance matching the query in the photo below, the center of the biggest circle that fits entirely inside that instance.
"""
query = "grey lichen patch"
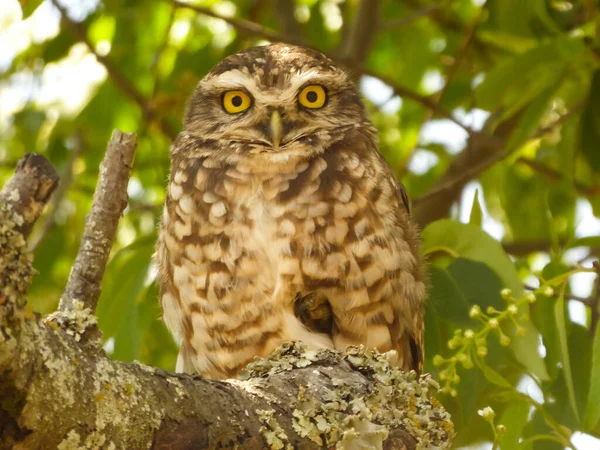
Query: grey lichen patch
(118, 393)
(343, 418)
(274, 436)
(71, 442)
(75, 322)
(15, 265)
(286, 357)
(94, 441)
(180, 391)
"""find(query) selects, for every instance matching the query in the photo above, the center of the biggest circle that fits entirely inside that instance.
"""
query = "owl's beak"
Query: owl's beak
(276, 128)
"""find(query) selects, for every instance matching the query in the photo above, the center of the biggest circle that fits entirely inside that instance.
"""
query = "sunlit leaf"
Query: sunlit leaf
(592, 412)
(561, 323)
(476, 217)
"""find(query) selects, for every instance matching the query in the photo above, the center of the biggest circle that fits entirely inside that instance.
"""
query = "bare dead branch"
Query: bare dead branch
(21, 202)
(28, 191)
(110, 199)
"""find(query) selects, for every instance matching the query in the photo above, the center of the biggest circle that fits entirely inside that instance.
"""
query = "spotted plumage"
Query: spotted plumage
(283, 222)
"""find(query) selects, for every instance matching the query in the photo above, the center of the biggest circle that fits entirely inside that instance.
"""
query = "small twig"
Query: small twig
(559, 121)
(425, 11)
(110, 199)
(28, 191)
(462, 52)
(554, 175)
(112, 70)
(407, 93)
(585, 301)
(241, 24)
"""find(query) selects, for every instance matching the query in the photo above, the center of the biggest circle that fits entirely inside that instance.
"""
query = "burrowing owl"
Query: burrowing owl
(283, 222)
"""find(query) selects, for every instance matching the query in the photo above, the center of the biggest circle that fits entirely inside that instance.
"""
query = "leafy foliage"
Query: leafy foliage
(521, 79)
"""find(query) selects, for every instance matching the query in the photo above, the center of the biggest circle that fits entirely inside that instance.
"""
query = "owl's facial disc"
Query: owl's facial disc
(273, 99)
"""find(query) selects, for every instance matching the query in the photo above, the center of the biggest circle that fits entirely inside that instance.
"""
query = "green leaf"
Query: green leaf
(479, 284)
(590, 125)
(476, 217)
(513, 84)
(588, 241)
(491, 375)
(29, 6)
(514, 419)
(561, 323)
(468, 241)
(447, 298)
(592, 412)
(118, 308)
(459, 286)
(532, 115)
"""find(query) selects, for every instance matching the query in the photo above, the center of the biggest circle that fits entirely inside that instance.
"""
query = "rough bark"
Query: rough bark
(110, 200)
(58, 389)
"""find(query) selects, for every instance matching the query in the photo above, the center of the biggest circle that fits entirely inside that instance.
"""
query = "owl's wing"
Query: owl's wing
(379, 301)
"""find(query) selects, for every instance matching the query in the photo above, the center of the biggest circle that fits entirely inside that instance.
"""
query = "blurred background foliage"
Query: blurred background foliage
(489, 112)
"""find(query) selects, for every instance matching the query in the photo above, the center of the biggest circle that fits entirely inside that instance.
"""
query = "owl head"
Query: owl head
(272, 100)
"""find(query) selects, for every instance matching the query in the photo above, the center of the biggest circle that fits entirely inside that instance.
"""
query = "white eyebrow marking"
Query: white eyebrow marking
(239, 78)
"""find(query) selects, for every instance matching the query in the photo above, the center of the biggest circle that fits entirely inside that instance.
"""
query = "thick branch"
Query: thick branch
(296, 399)
(110, 199)
(483, 151)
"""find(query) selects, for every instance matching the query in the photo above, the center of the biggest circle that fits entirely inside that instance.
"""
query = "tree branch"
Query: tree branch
(554, 175)
(21, 202)
(362, 32)
(59, 389)
(110, 199)
(284, 12)
(353, 66)
(482, 152)
(28, 191)
(114, 73)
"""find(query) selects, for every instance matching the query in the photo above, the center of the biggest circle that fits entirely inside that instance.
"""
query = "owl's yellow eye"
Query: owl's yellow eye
(236, 101)
(313, 96)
